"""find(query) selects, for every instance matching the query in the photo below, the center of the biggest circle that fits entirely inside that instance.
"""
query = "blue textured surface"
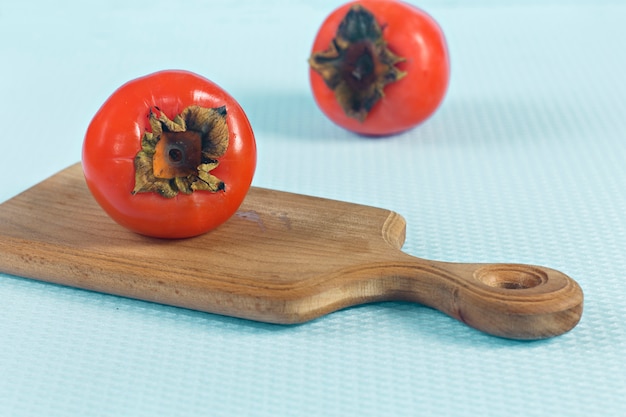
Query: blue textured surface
(525, 162)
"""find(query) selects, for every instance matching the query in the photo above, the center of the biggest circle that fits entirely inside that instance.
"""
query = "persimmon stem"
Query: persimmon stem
(177, 154)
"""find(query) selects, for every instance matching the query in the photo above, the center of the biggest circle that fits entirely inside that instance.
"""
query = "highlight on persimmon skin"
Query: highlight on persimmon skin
(379, 67)
(169, 155)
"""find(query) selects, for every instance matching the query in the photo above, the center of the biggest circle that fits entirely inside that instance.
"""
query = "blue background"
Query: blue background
(524, 162)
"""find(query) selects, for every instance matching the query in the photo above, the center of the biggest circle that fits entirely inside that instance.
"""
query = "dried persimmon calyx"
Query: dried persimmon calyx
(358, 63)
(178, 155)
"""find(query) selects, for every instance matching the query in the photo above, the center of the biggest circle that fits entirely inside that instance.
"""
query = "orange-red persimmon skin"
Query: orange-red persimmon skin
(113, 140)
(411, 34)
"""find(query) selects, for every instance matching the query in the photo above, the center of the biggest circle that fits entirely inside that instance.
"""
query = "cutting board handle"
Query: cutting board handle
(508, 300)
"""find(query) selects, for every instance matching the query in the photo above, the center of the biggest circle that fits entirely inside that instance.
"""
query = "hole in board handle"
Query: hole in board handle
(511, 277)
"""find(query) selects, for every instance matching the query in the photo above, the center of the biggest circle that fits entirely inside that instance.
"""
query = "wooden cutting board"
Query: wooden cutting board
(282, 258)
